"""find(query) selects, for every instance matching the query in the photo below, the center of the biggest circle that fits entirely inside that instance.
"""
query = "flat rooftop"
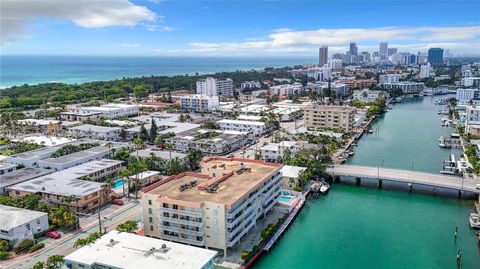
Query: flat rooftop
(242, 122)
(163, 154)
(47, 141)
(230, 190)
(95, 128)
(21, 175)
(67, 182)
(130, 251)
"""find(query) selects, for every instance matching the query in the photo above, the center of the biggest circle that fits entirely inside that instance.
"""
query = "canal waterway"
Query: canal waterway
(358, 227)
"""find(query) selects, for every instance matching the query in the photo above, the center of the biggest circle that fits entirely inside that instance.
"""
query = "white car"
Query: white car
(477, 186)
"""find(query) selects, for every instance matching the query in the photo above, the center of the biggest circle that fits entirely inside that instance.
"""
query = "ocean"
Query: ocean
(19, 70)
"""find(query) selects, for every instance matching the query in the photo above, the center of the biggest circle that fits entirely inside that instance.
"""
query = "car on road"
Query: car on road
(477, 186)
(230, 155)
(117, 201)
(53, 235)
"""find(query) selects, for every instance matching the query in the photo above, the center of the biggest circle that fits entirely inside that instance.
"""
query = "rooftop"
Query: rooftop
(95, 128)
(292, 171)
(46, 140)
(130, 251)
(38, 122)
(13, 216)
(145, 174)
(232, 186)
(163, 154)
(21, 175)
(66, 182)
(242, 122)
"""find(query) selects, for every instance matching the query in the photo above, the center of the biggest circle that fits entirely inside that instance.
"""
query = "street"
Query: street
(64, 246)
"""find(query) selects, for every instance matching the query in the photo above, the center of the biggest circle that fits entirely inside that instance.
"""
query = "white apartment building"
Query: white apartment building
(472, 120)
(425, 70)
(130, 251)
(407, 87)
(211, 87)
(466, 95)
(335, 64)
(199, 103)
(251, 127)
(388, 78)
(111, 111)
(211, 209)
(340, 89)
(272, 151)
(18, 224)
(250, 85)
(7, 168)
(287, 89)
(367, 95)
(471, 81)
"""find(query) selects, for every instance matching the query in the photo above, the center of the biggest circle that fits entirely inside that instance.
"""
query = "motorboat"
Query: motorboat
(324, 187)
(474, 220)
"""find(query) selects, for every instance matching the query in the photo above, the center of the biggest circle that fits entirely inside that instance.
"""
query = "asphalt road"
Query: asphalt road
(64, 246)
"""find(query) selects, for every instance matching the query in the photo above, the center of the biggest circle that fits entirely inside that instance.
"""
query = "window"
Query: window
(150, 211)
(149, 202)
(175, 206)
(38, 221)
(151, 228)
(28, 226)
(150, 219)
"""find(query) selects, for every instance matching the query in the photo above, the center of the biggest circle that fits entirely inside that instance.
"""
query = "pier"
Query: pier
(380, 176)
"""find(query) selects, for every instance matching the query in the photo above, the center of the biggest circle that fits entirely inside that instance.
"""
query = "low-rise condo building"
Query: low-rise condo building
(129, 251)
(44, 126)
(55, 187)
(214, 208)
(250, 127)
(407, 87)
(112, 111)
(210, 142)
(95, 132)
(273, 151)
(368, 96)
(330, 117)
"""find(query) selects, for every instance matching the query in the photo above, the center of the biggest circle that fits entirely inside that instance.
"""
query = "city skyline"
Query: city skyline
(206, 28)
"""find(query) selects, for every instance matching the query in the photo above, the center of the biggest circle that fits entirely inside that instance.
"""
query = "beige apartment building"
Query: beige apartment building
(214, 208)
(329, 116)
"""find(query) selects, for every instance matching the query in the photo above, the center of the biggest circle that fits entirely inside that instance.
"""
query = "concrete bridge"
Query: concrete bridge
(387, 177)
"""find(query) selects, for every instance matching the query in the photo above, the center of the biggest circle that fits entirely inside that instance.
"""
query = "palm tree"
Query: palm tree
(123, 174)
(169, 147)
(55, 261)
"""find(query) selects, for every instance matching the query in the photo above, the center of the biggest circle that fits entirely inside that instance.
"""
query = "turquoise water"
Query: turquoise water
(406, 137)
(356, 227)
(285, 199)
(118, 184)
(18, 70)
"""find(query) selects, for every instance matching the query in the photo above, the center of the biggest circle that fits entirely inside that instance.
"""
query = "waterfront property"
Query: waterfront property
(214, 208)
(330, 117)
(407, 87)
(18, 224)
(129, 251)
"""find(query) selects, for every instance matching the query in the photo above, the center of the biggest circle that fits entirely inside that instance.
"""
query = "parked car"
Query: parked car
(117, 201)
(53, 235)
(477, 186)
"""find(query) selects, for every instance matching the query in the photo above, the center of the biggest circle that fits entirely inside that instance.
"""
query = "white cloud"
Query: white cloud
(16, 14)
(408, 39)
(130, 45)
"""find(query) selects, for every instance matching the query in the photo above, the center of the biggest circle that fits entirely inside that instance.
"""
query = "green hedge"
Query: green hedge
(4, 255)
(36, 247)
(23, 246)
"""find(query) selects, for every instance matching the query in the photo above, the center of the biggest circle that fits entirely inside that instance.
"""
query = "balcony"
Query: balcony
(197, 214)
(180, 230)
(181, 221)
(183, 240)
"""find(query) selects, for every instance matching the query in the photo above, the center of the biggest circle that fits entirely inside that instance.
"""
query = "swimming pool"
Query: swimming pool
(284, 199)
(118, 184)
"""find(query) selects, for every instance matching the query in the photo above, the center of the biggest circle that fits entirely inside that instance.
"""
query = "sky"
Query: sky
(234, 27)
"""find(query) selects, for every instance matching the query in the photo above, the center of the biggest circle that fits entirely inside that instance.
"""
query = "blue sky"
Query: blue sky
(257, 28)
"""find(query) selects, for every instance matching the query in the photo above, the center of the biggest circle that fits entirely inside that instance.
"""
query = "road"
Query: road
(64, 246)
(406, 176)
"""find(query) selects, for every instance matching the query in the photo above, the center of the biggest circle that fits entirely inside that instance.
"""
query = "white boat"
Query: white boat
(440, 139)
(324, 187)
(441, 145)
(474, 220)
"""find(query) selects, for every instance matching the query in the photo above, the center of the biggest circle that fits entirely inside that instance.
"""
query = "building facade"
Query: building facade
(330, 117)
(323, 55)
(212, 87)
(435, 56)
(199, 103)
(210, 208)
(18, 224)
(407, 87)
